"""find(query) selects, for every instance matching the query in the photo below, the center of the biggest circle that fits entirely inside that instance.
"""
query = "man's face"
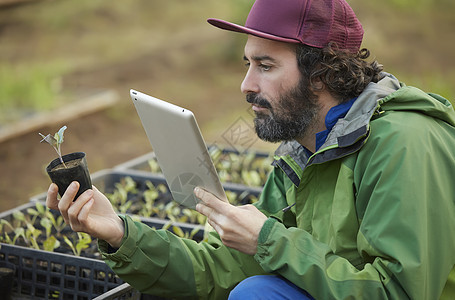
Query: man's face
(284, 107)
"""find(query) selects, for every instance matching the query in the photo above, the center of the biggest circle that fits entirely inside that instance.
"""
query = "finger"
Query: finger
(203, 209)
(202, 206)
(76, 207)
(97, 193)
(200, 193)
(214, 218)
(208, 198)
(51, 199)
(85, 211)
(67, 199)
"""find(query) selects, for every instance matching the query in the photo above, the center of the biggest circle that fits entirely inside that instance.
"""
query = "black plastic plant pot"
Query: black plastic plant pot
(7, 271)
(76, 170)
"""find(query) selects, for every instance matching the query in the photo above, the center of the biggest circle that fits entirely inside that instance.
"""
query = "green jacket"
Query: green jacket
(374, 213)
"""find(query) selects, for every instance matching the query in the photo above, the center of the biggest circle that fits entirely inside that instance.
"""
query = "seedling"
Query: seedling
(67, 168)
(179, 232)
(251, 169)
(83, 241)
(56, 142)
(38, 228)
(119, 198)
(51, 243)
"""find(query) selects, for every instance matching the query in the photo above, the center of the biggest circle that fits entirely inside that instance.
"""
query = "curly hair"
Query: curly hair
(344, 74)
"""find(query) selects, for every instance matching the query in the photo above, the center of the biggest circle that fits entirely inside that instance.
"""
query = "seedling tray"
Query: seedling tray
(108, 180)
(47, 275)
(56, 275)
(123, 292)
(248, 167)
(92, 250)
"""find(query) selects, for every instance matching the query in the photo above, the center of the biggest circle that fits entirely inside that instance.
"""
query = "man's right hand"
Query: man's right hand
(91, 213)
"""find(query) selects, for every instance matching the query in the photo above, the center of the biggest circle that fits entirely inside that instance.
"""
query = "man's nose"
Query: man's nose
(249, 83)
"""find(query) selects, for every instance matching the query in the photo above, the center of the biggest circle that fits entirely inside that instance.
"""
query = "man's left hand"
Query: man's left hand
(238, 226)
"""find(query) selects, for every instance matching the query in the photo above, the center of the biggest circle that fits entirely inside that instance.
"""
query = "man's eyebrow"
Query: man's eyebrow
(260, 58)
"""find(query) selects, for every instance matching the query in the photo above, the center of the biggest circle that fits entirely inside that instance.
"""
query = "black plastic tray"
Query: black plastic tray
(106, 181)
(55, 275)
(142, 163)
(48, 275)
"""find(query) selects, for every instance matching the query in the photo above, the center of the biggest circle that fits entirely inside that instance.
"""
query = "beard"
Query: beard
(294, 113)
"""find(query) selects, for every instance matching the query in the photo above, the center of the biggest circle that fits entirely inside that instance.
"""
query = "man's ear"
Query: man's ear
(317, 85)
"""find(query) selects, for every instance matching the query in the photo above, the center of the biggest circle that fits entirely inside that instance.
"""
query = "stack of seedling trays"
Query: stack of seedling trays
(136, 188)
(55, 273)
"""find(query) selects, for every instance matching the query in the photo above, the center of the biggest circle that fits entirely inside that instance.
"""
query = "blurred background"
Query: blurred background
(72, 63)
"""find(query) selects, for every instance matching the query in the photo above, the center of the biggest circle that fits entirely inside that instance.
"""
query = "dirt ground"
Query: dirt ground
(109, 137)
(210, 88)
(115, 135)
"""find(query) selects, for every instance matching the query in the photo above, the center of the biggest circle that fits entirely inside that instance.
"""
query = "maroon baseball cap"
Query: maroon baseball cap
(311, 22)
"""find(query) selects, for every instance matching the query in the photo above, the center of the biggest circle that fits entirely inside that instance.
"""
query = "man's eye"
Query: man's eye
(265, 67)
(247, 64)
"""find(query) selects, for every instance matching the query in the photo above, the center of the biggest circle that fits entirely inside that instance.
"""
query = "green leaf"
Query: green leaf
(154, 166)
(32, 212)
(51, 243)
(201, 219)
(69, 243)
(49, 139)
(178, 231)
(18, 215)
(34, 244)
(40, 208)
(83, 242)
(19, 232)
(59, 135)
(47, 224)
(193, 232)
(231, 196)
(34, 232)
(5, 222)
(125, 207)
(8, 239)
(162, 188)
(60, 224)
(167, 225)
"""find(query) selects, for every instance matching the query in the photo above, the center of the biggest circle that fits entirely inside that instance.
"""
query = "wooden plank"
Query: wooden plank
(14, 2)
(74, 110)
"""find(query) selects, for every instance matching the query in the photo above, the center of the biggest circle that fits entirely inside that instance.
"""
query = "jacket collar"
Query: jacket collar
(347, 136)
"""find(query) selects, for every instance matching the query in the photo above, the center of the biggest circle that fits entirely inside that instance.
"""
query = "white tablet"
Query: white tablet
(179, 147)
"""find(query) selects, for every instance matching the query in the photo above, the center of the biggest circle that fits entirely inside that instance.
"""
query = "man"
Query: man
(360, 203)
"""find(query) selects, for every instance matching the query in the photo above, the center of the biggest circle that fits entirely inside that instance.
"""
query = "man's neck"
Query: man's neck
(309, 142)
(326, 102)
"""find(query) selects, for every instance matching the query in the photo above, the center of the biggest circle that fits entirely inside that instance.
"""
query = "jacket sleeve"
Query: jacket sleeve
(404, 201)
(158, 262)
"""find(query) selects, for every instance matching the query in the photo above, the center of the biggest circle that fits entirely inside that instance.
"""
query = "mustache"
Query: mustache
(256, 99)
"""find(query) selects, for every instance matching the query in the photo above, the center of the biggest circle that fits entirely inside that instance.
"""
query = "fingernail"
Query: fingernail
(197, 190)
(89, 193)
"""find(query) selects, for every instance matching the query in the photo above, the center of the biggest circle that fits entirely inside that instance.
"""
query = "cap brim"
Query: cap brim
(242, 29)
